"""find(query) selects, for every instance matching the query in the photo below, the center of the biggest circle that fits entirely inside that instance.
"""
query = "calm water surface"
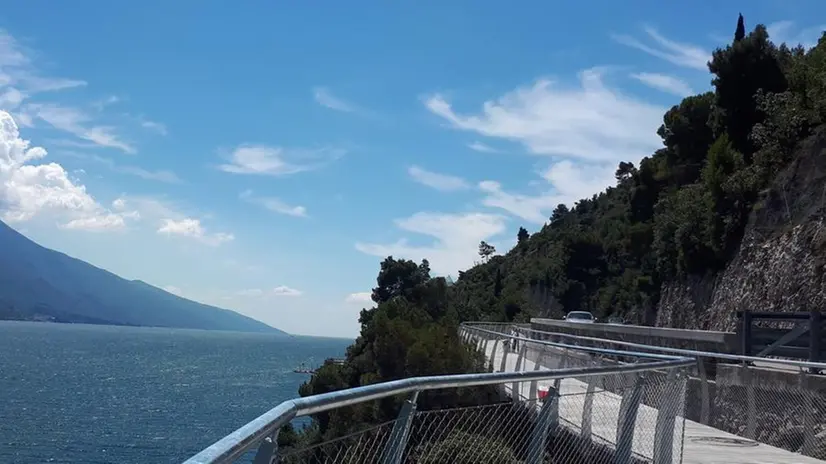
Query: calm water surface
(97, 394)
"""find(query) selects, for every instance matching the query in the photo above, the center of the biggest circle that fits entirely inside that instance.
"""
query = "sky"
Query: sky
(266, 156)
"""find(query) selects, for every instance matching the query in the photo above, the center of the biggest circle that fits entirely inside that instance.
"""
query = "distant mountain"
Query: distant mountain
(37, 283)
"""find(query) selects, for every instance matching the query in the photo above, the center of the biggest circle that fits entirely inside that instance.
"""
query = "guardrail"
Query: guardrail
(524, 429)
(772, 401)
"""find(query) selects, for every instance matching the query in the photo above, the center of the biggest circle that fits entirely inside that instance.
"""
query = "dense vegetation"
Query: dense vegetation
(681, 211)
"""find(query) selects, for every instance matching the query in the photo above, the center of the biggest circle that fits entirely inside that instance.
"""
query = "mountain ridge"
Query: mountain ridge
(38, 283)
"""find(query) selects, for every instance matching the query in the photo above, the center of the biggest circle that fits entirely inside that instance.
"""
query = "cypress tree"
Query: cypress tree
(740, 32)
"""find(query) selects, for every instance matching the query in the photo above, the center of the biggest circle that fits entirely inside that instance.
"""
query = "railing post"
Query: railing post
(516, 386)
(808, 416)
(534, 383)
(626, 421)
(705, 394)
(485, 347)
(504, 362)
(666, 417)
(492, 355)
(267, 451)
(397, 443)
(751, 406)
(588, 405)
(547, 421)
(815, 326)
(745, 333)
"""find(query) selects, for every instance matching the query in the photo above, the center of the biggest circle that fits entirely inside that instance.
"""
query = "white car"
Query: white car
(579, 316)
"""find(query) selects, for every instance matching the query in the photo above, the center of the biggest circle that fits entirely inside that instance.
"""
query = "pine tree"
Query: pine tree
(740, 32)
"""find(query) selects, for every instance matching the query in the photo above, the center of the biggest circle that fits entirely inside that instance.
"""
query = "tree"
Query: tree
(522, 236)
(559, 212)
(740, 32)
(625, 171)
(486, 250)
(740, 70)
(398, 278)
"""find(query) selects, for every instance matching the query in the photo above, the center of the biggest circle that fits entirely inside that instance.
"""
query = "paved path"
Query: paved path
(702, 444)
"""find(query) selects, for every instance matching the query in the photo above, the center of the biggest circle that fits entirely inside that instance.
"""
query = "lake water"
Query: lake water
(100, 394)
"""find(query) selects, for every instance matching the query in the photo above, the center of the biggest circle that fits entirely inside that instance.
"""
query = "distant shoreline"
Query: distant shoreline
(54, 321)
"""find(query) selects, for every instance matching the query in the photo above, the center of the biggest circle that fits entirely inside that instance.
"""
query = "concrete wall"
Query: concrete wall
(702, 340)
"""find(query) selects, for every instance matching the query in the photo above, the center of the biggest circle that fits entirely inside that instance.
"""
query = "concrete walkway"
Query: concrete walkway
(701, 444)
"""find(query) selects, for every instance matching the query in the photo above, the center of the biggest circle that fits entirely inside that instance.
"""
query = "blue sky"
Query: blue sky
(264, 156)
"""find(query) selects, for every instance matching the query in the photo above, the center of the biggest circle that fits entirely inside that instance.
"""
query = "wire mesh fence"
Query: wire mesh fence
(619, 417)
(769, 401)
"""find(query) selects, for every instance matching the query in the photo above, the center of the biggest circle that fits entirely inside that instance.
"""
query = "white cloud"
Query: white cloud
(17, 71)
(101, 223)
(274, 204)
(457, 238)
(283, 290)
(591, 122)
(29, 190)
(677, 53)
(442, 182)
(20, 80)
(359, 298)
(276, 161)
(785, 32)
(192, 228)
(567, 181)
(159, 175)
(154, 126)
(665, 83)
(325, 98)
(76, 122)
(481, 147)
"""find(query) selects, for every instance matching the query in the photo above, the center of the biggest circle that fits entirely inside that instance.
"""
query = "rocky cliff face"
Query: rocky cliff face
(782, 258)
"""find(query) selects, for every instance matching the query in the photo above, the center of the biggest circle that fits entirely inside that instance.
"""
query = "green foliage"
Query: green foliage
(466, 448)
(682, 211)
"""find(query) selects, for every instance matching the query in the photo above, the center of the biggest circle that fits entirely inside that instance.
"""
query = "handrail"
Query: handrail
(587, 349)
(241, 440)
(661, 349)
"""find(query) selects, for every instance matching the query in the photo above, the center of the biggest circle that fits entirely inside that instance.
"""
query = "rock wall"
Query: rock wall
(781, 261)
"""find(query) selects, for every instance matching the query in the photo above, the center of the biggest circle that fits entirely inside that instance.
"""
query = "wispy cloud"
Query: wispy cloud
(77, 123)
(590, 122)
(281, 290)
(786, 32)
(192, 228)
(274, 204)
(456, 239)
(159, 175)
(481, 147)
(677, 53)
(566, 183)
(20, 80)
(17, 71)
(154, 126)
(435, 180)
(324, 97)
(277, 161)
(665, 83)
(359, 297)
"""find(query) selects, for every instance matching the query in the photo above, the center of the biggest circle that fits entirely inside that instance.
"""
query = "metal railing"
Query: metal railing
(779, 402)
(594, 405)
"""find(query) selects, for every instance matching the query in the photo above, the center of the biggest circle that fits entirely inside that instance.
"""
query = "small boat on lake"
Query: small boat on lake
(303, 369)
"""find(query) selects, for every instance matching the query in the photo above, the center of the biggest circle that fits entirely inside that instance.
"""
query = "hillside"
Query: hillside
(727, 215)
(37, 283)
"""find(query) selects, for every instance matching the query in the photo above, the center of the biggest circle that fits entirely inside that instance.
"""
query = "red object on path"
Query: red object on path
(542, 394)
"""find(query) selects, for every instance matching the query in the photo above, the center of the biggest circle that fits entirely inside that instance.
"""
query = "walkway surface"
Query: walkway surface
(702, 444)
